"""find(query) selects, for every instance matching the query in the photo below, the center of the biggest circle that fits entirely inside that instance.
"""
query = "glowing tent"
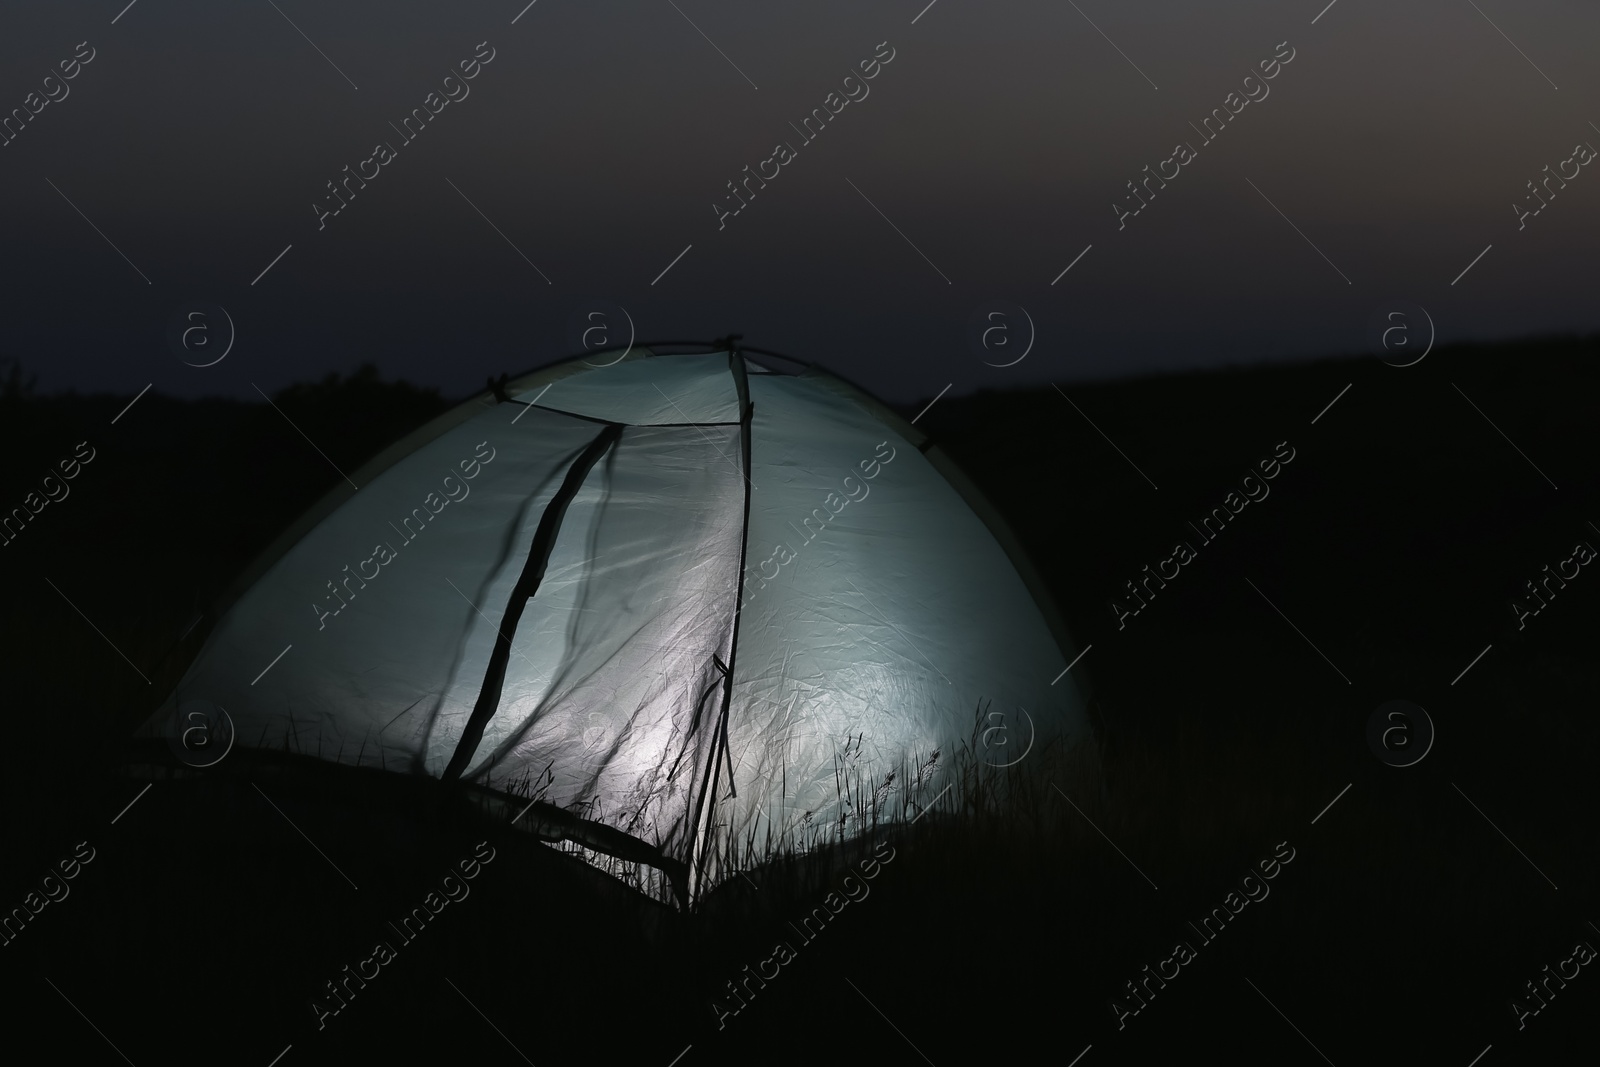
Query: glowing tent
(662, 606)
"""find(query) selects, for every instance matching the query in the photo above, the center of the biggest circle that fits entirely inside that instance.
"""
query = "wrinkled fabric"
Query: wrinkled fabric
(879, 615)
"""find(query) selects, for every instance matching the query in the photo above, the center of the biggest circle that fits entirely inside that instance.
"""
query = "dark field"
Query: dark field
(1233, 710)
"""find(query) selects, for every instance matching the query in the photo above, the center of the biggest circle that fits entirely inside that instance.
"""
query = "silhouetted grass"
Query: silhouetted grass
(1017, 905)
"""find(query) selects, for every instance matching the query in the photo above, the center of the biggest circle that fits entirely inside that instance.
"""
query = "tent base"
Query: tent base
(152, 760)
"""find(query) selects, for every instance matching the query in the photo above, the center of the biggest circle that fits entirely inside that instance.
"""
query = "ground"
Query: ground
(1417, 904)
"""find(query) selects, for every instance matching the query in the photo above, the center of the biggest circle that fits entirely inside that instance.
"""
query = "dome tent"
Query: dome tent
(655, 605)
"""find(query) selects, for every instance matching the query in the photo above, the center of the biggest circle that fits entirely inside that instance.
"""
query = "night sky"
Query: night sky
(585, 158)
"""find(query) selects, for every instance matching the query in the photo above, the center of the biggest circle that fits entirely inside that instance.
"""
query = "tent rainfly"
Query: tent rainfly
(662, 606)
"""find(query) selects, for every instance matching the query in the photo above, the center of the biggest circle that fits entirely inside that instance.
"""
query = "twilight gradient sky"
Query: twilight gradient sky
(986, 157)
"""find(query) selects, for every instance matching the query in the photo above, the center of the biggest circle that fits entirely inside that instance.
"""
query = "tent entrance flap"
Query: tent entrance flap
(544, 540)
(615, 678)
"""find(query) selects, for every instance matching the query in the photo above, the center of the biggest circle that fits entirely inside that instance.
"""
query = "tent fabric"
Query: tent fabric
(662, 390)
(759, 601)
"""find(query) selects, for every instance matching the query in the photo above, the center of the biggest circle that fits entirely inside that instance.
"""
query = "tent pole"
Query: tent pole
(702, 838)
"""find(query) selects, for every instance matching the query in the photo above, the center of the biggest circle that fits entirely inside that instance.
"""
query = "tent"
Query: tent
(669, 608)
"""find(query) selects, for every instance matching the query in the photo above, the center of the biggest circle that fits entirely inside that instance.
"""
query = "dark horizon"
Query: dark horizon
(33, 388)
